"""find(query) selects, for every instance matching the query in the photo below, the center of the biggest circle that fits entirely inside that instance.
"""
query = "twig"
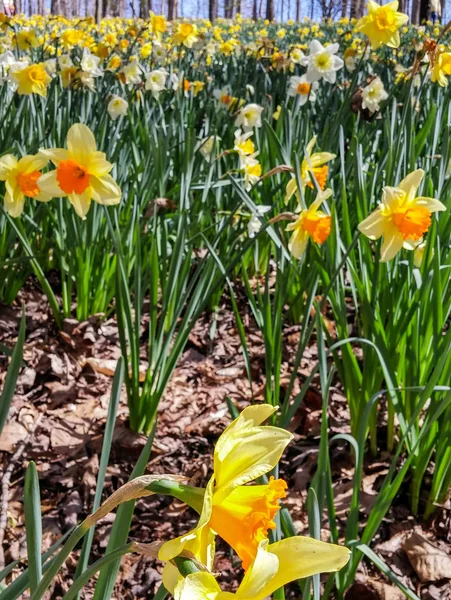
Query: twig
(5, 486)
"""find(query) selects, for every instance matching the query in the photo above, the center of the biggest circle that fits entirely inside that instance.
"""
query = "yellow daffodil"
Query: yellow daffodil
(21, 180)
(401, 218)
(186, 34)
(311, 224)
(382, 23)
(240, 514)
(441, 69)
(274, 566)
(314, 164)
(82, 172)
(32, 79)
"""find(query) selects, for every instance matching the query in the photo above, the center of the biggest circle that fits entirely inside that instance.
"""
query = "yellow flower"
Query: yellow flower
(311, 223)
(274, 566)
(186, 34)
(158, 23)
(26, 39)
(82, 172)
(240, 514)
(276, 114)
(33, 79)
(442, 69)
(197, 86)
(382, 24)
(21, 180)
(401, 218)
(313, 164)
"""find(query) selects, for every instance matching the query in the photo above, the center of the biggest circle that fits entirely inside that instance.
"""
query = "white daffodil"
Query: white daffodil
(322, 62)
(156, 81)
(299, 87)
(117, 107)
(373, 94)
(250, 116)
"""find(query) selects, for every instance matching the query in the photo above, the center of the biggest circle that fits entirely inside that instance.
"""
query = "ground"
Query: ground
(58, 416)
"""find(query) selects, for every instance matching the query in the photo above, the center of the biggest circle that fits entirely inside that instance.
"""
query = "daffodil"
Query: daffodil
(401, 218)
(314, 164)
(31, 79)
(117, 107)
(441, 69)
(240, 514)
(250, 116)
(186, 34)
(300, 88)
(311, 223)
(21, 180)
(373, 94)
(322, 62)
(382, 23)
(274, 566)
(82, 172)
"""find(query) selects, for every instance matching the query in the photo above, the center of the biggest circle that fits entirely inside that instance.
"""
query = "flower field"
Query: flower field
(225, 260)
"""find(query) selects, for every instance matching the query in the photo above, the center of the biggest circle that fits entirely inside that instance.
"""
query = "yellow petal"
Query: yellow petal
(430, 203)
(298, 243)
(392, 195)
(197, 586)
(374, 225)
(260, 573)
(14, 201)
(310, 146)
(30, 163)
(200, 540)
(321, 158)
(105, 190)
(411, 183)
(98, 165)
(48, 184)
(321, 196)
(7, 164)
(245, 455)
(298, 557)
(56, 155)
(81, 202)
(392, 244)
(81, 143)
(290, 189)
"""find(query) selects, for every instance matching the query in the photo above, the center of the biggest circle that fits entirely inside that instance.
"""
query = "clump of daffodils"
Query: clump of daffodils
(373, 94)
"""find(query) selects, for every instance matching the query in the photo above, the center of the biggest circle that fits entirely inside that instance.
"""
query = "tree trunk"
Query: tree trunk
(144, 9)
(270, 10)
(416, 11)
(171, 10)
(424, 10)
(213, 10)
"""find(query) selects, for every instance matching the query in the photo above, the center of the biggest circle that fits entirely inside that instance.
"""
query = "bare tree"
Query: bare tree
(270, 10)
(298, 10)
(213, 10)
(330, 9)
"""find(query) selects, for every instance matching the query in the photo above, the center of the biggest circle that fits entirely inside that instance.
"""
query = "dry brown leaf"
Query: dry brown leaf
(12, 434)
(429, 562)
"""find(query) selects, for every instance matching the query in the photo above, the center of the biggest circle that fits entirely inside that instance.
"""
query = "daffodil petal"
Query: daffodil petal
(14, 201)
(81, 143)
(81, 202)
(30, 163)
(197, 586)
(56, 155)
(300, 557)
(373, 226)
(392, 244)
(105, 190)
(7, 164)
(411, 183)
(246, 455)
(259, 574)
(321, 158)
(430, 203)
(298, 243)
(48, 184)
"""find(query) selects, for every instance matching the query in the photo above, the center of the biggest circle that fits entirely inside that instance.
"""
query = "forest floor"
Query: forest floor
(58, 416)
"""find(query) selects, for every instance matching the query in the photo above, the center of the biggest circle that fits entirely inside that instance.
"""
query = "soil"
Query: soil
(58, 417)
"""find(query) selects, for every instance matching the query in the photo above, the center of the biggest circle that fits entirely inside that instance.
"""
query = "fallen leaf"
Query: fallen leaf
(429, 562)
